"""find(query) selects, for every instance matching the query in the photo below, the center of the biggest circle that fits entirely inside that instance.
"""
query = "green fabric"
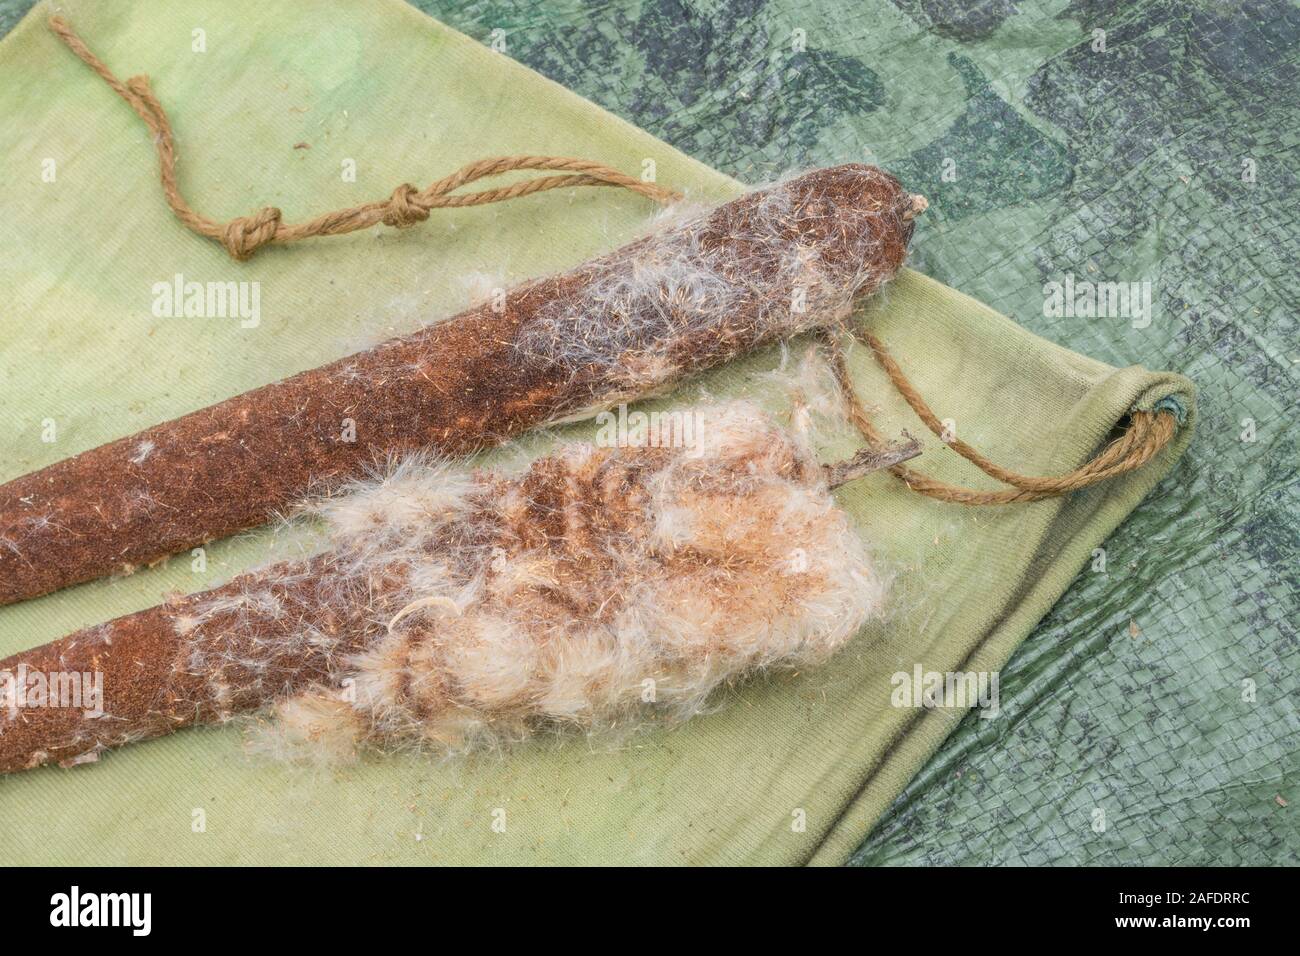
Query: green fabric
(409, 99)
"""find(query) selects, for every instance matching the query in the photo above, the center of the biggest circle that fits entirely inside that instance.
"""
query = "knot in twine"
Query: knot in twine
(404, 208)
(243, 236)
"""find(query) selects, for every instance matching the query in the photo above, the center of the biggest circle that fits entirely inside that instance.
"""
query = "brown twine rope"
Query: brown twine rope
(1146, 435)
(244, 235)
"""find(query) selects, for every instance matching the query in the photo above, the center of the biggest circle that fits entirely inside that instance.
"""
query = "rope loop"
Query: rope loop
(1147, 434)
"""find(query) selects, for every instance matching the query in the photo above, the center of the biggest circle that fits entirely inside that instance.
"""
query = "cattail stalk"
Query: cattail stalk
(771, 264)
(600, 588)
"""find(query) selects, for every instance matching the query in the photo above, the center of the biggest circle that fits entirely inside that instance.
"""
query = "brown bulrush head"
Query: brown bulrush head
(601, 588)
(773, 263)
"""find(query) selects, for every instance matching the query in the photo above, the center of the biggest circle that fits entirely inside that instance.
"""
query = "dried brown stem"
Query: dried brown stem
(872, 458)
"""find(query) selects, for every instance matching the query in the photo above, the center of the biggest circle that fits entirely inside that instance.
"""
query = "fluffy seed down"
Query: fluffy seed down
(601, 588)
(598, 590)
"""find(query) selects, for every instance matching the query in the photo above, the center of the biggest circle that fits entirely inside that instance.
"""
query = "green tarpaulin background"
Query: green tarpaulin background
(1145, 720)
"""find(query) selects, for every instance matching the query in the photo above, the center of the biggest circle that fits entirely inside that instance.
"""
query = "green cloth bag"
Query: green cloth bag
(271, 104)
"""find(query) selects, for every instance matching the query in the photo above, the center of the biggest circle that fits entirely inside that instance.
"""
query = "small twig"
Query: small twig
(872, 458)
